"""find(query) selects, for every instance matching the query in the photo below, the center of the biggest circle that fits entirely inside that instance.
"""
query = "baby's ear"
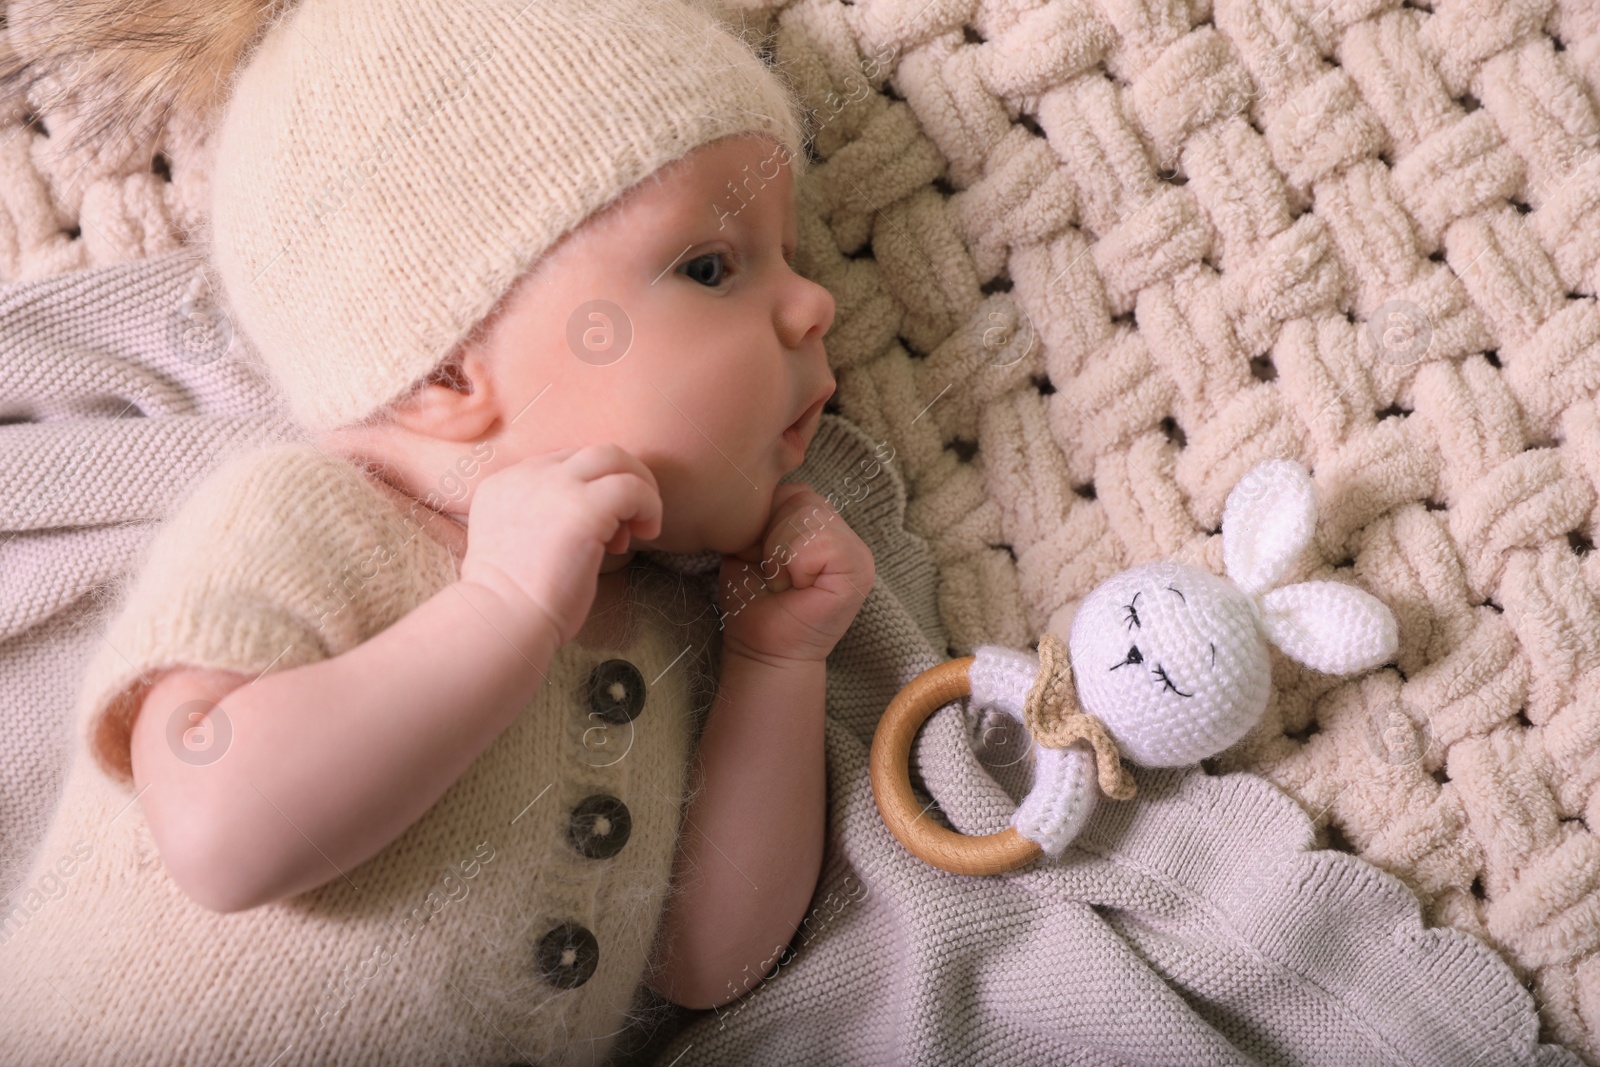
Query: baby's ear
(456, 402)
(1267, 523)
(1330, 627)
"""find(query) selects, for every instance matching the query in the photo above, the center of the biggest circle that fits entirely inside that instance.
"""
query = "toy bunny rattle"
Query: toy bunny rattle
(1168, 665)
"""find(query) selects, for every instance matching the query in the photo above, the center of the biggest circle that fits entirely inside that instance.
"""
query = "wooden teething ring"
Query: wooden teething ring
(890, 767)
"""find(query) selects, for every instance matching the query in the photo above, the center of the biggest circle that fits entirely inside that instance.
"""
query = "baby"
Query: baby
(615, 361)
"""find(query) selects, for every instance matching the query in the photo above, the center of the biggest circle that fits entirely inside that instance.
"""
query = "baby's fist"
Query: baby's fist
(790, 598)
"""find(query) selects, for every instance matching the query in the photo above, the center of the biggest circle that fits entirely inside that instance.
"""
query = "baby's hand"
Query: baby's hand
(816, 573)
(538, 529)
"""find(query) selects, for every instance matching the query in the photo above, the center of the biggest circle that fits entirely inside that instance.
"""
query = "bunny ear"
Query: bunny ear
(1267, 523)
(1330, 627)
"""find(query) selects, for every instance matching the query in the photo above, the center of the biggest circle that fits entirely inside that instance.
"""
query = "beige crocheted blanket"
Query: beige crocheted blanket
(1095, 258)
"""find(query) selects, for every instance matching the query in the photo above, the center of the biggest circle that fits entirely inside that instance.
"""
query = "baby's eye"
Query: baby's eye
(697, 269)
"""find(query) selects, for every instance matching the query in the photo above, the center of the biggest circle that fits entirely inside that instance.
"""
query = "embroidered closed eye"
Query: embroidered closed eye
(1133, 614)
(1161, 672)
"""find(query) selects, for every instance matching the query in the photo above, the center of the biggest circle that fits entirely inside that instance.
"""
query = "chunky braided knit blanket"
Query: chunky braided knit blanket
(1095, 258)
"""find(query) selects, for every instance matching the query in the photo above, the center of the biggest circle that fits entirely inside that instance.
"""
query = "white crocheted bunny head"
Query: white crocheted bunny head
(1170, 658)
(1174, 660)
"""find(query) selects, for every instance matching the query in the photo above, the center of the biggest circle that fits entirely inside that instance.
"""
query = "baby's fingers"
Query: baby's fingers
(594, 461)
(801, 536)
(623, 489)
(829, 552)
(629, 502)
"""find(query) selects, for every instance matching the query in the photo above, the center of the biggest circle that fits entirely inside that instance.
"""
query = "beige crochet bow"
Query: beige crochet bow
(1055, 719)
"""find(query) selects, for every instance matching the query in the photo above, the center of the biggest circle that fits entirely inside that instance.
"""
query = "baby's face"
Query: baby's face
(673, 325)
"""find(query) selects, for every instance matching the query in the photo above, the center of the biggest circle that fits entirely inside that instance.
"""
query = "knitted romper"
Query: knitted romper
(511, 923)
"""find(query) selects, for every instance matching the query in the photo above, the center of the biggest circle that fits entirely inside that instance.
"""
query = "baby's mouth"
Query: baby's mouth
(801, 426)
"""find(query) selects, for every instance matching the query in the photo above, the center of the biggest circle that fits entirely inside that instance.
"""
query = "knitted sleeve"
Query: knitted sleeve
(279, 557)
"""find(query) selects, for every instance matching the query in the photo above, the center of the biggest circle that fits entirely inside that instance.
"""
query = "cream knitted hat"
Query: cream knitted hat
(385, 169)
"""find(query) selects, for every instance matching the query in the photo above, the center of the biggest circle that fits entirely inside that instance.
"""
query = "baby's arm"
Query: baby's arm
(331, 761)
(752, 842)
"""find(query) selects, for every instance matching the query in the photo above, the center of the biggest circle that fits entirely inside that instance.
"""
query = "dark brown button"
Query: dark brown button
(599, 826)
(616, 691)
(568, 955)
